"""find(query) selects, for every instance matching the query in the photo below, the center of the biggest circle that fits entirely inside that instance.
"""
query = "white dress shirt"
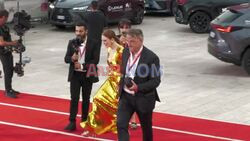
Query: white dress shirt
(81, 54)
(131, 68)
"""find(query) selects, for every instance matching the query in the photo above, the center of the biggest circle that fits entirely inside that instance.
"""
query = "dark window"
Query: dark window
(227, 17)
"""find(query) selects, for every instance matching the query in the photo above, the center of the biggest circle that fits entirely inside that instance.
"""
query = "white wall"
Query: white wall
(1, 4)
(32, 7)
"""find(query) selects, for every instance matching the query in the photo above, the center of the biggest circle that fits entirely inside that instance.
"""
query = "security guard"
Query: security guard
(6, 56)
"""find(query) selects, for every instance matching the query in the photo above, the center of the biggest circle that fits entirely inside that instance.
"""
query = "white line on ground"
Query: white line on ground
(49, 96)
(196, 134)
(36, 109)
(52, 131)
(155, 127)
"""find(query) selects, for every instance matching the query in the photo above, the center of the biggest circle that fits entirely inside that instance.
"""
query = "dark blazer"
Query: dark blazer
(147, 80)
(92, 56)
(96, 21)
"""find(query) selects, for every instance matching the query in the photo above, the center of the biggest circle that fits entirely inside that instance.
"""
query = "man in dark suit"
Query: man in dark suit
(83, 55)
(96, 22)
(141, 76)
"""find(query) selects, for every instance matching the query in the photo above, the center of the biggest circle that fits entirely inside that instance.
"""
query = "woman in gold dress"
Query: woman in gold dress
(102, 118)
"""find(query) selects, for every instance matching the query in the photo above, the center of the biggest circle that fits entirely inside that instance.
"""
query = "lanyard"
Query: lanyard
(82, 52)
(134, 61)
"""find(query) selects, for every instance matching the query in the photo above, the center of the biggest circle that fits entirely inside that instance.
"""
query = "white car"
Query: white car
(38, 9)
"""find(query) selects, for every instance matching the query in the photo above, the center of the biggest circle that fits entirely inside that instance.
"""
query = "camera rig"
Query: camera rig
(21, 25)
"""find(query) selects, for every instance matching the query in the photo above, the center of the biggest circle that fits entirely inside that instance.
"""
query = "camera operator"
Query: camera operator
(6, 56)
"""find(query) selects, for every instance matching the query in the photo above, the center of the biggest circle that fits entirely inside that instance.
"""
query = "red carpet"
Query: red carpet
(41, 118)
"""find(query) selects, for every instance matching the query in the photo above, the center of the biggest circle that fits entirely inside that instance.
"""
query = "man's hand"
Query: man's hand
(134, 87)
(14, 43)
(77, 65)
(4, 43)
(74, 58)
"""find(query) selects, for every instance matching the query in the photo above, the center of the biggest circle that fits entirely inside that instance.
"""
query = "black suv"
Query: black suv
(64, 12)
(161, 6)
(199, 13)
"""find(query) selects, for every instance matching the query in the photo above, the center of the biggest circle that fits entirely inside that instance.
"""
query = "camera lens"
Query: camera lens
(128, 82)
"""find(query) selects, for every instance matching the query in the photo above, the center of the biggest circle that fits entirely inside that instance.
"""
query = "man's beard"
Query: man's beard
(81, 37)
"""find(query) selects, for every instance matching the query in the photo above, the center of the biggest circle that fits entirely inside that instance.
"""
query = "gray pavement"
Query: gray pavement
(194, 83)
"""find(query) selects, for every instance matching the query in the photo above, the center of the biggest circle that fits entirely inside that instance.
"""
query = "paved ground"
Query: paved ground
(194, 83)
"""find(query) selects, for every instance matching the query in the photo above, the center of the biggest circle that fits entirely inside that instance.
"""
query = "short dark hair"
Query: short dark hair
(80, 23)
(4, 13)
(94, 4)
(123, 22)
(135, 33)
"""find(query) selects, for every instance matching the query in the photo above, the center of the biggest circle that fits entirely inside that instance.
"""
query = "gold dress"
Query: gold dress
(102, 118)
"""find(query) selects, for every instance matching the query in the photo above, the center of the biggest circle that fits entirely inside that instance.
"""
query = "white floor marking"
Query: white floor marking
(52, 131)
(155, 127)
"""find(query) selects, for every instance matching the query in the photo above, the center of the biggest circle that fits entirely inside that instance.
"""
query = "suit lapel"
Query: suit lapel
(125, 60)
(88, 44)
(141, 59)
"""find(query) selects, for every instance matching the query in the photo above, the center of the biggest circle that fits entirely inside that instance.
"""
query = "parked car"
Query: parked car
(1, 4)
(199, 13)
(229, 39)
(161, 6)
(64, 12)
(37, 9)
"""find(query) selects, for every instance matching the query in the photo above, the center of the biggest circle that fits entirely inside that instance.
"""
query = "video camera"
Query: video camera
(128, 82)
(77, 43)
(21, 25)
(21, 22)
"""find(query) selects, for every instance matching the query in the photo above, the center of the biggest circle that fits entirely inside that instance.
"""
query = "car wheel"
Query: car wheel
(246, 61)
(60, 26)
(199, 22)
(138, 17)
(173, 7)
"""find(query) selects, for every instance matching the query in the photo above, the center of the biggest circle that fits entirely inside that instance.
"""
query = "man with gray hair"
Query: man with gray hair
(140, 78)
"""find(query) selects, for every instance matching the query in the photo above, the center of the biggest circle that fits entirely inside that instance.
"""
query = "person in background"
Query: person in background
(123, 40)
(6, 56)
(123, 27)
(96, 22)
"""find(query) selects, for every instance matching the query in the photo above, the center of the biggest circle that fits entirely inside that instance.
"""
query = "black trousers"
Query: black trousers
(78, 83)
(127, 106)
(7, 63)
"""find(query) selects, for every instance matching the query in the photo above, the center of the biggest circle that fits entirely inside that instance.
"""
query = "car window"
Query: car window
(227, 17)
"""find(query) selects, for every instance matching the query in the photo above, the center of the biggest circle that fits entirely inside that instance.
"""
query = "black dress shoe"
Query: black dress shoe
(10, 94)
(15, 92)
(83, 120)
(71, 126)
